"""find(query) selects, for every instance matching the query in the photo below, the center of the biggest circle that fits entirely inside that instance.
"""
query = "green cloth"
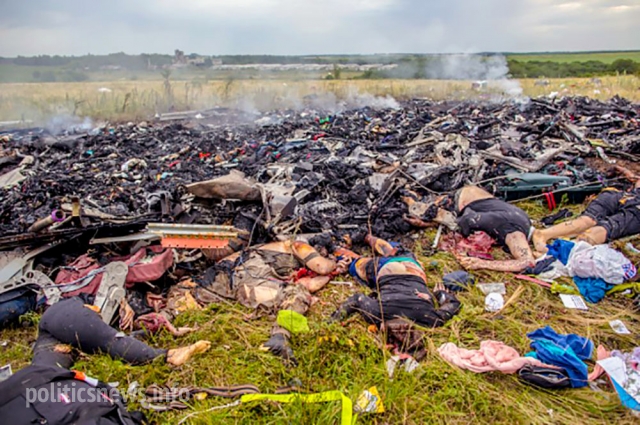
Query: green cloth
(292, 321)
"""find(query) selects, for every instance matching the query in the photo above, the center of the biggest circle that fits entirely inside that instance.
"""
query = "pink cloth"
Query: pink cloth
(492, 356)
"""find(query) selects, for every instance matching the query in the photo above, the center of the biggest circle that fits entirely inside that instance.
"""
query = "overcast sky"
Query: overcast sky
(76, 27)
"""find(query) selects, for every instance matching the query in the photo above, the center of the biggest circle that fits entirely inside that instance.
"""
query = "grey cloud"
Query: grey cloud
(311, 27)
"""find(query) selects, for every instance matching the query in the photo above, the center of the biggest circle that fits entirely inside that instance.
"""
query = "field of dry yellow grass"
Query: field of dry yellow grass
(130, 100)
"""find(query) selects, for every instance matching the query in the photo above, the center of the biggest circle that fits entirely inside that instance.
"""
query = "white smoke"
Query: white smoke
(490, 68)
(66, 123)
(355, 99)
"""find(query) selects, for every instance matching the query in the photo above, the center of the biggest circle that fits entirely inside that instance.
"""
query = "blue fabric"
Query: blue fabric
(354, 273)
(560, 250)
(583, 347)
(565, 351)
(625, 398)
(593, 289)
(550, 353)
(458, 281)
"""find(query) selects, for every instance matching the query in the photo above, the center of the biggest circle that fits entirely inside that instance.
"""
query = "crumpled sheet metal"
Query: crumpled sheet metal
(232, 186)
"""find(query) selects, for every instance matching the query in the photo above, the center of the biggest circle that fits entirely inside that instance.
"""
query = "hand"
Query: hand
(126, 315)
(470, 263)
(423, 295)
(439, 287)
(414, 221)
(342, 266)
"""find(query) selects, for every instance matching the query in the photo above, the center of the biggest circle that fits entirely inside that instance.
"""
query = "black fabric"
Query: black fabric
(551, 219)
(458, 281)
(70, 322)
(495, 217)
(541, 266)
(62, 404)
(398, 295)
(544, 377)
(618, 212)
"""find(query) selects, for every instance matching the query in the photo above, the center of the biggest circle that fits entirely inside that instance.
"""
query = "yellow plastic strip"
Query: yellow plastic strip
(347, 416)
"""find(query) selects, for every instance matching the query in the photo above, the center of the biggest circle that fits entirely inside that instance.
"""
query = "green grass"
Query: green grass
(353, 361)
(605, 57)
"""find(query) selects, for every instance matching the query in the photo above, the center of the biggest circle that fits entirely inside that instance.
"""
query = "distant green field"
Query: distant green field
(606, 57)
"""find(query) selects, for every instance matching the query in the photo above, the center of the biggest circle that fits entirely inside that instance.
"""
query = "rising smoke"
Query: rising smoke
(490, 68)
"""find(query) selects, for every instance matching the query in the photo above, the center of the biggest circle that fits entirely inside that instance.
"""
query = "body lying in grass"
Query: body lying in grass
(70, 324)
(473, 209)
(612, 215)
(401, 296)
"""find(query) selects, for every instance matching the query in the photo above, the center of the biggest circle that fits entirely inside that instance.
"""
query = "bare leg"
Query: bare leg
(380, 246)
(312, 259)
(519, 247)
(566, 229)
(595, 236)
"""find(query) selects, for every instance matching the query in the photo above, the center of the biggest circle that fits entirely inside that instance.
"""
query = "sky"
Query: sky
(297, 27)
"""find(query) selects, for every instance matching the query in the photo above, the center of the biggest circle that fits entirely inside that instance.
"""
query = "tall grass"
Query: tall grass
(135, 100)
(352, 360)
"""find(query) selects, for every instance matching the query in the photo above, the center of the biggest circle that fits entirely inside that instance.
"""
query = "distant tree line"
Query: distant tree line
(549, 69)
(78, 68)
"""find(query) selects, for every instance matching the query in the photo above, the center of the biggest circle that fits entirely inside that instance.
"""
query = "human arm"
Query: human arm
(519, 248)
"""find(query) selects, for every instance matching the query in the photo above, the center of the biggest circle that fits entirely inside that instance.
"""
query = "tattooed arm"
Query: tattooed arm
(519, 247)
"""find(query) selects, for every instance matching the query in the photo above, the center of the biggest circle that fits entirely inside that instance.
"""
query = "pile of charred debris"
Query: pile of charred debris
(298, 173)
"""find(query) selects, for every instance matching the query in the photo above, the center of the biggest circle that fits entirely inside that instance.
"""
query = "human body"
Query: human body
(474, 209)
(612, 215)
(71, 324)
(400, 285)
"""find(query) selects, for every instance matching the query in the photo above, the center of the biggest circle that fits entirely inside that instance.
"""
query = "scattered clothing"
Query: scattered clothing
(622, 369)
(595, 269)
(492, 356)
(593, 289)
(560, 249)
(582, 346)
(541, 266)
(565, 351)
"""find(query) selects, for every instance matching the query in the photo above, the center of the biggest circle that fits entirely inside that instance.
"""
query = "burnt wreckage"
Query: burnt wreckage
(289, 173)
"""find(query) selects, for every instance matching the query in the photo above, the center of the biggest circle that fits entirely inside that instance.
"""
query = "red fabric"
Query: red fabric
(80, 268)
(143, 272)
(148, 272)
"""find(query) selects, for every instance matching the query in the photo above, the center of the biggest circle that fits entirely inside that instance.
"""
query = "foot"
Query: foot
(347, 308)
(278, 344)
(539, 242)
(179, 356)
